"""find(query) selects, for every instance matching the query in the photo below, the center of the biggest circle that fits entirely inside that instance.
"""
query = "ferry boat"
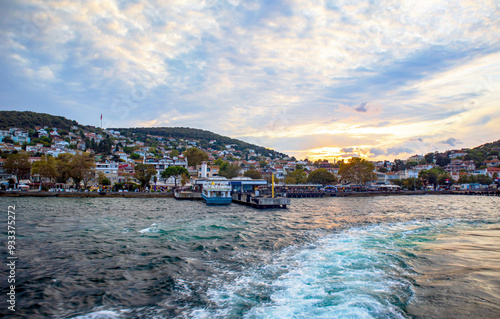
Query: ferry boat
(217, 193)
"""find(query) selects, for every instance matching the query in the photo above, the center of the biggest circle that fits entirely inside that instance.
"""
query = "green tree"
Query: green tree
(429, 158)
(229, 170)
(103, 180)
(442, 160)
(484, 179)
(174, 153)
(18, 165)
(445, 179)
(430, 176)
(467, 179)
(135, 156)
(144, 173)
(290, 180)
(299, 175)
(253, 174)
(63, 167)
(399, 165)
(411, 183)
(321, 176)
(46, 167)
(195, 156)
(357, 171)
(81, 169)
(8, 139)
(174, 171)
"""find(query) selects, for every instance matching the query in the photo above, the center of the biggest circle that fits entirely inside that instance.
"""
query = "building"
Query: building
(455, 154)
(458, 165)
(109, 169)
(416, 158)
(492, 163)
(207, 170)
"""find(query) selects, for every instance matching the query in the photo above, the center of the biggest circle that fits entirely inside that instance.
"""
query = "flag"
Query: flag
(101, 116)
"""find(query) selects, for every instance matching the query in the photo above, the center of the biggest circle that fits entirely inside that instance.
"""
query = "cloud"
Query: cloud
(377, 152)
(361, 107)
(451, 141)
(272, 72)
(398, 150)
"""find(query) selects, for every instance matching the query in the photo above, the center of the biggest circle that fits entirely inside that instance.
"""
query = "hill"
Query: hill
(483, 152)
(143, 133)
(28, 120)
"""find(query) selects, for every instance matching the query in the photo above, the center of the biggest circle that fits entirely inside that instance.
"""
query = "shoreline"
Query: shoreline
(171, 195)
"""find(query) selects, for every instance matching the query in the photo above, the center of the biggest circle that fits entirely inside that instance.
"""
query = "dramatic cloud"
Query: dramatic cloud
(361, 108)
(398, 151)
(451, 141)
(367, 75)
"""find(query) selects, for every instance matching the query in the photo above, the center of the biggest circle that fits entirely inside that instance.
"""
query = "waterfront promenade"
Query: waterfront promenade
(303, 195)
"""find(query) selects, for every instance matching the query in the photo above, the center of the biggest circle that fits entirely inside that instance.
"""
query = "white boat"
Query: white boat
(217, 192)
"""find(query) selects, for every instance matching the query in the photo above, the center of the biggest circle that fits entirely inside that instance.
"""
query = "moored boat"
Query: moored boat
(217, 193)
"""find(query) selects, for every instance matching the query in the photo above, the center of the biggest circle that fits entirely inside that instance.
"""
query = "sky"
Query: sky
(315, 79)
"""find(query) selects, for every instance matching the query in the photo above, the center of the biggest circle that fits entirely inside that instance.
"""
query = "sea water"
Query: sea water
(373, 257)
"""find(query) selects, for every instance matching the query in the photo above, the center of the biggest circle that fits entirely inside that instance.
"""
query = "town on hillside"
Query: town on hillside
(48, 158)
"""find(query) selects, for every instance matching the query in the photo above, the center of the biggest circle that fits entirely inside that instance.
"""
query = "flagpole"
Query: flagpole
(101, 121)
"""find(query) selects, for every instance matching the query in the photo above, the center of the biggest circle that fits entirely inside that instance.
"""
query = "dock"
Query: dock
(187, 195)
(260, 202)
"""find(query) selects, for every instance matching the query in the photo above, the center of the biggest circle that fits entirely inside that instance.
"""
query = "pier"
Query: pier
(187, 195)
(260, 202)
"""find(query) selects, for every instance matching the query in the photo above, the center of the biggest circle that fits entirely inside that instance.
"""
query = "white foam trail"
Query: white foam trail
(355, 274)
(151, 229)
(103, 314)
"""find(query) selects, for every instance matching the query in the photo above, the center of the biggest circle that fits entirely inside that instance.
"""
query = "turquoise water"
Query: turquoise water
(379, 257)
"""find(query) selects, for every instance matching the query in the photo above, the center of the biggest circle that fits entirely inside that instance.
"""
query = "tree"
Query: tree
(262, 164)
(45, 167)
(195, 156)
(445, 179)
(290, 180)
(321, 176)
(219, 162)
(411, 183)
(80, 169)
(484, 179)
(430, 176)
(357, 171)
(175, 172)
(399, 165)
(253, 174)
(382, 170)
(229, 170)
(63, 167)
(429, 158)
(135, 156)
(299, 175)
(103, 179)
(8, 139)
(467, 179)
(18, 165)
(174, 153)
(144, 173)
(184, 179)
(442, 160)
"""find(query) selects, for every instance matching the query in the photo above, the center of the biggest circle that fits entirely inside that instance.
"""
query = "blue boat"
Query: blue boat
(217, 193)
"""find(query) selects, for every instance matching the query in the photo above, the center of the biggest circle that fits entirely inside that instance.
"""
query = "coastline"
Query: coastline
(171, 195)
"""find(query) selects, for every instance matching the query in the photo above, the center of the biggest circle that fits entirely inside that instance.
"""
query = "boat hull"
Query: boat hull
(217, 200)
